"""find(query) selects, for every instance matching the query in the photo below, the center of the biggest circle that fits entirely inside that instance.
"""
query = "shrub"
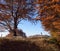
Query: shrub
(53, 40)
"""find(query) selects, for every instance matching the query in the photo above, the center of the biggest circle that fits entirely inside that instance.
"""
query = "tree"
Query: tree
(49, 15)
(19, 33)
(13, 11)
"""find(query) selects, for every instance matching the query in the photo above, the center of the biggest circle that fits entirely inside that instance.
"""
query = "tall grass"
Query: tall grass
(13, 44)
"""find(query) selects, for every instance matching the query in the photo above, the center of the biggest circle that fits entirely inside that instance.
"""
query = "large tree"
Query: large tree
(49, 15)
(13, 11)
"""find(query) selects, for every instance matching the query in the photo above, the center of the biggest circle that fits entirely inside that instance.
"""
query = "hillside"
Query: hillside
(26, 44)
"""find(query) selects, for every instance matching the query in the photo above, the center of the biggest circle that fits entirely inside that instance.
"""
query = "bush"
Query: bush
(53, 40)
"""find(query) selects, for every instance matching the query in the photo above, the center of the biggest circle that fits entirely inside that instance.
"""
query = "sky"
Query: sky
(30, 29)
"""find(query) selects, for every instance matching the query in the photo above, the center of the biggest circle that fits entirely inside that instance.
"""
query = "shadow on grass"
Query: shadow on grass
(10, 45)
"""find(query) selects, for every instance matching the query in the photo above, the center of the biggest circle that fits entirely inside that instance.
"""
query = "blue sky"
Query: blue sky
(30, 28)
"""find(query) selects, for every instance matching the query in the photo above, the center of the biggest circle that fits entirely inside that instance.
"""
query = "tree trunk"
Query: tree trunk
(15, 26)
(15, 33)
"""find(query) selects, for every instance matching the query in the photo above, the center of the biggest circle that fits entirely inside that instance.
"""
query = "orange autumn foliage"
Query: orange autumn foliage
(49, 14)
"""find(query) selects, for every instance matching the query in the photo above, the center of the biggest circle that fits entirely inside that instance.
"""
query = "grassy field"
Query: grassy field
(26, 44)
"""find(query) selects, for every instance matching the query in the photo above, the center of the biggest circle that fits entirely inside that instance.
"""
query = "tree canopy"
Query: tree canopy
(13, 11)
(49, 15)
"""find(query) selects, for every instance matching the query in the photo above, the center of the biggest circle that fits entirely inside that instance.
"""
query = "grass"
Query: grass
(28, 44)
